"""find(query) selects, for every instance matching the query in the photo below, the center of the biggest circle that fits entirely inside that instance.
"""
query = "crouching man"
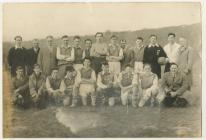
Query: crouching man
(67, 85)
(85, 83)
(53, 87)
(20, 93)
(127, 80)
(37, 87)
(148, 90)
(107, 85)
(174, 86)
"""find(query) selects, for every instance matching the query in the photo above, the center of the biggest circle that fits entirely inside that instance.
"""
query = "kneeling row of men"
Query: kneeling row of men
(135, 88)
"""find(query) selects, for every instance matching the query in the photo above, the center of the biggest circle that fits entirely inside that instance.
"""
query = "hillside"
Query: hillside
(192, 32)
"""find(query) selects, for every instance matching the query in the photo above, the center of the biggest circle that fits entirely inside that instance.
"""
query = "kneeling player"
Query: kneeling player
(127, 80)
(148, 86)
(107, 86)
(85, 82)
(67, 85)
(53, 87)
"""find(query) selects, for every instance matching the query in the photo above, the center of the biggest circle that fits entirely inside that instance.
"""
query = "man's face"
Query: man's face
(114, 40)
(65, 41)
(153, 40)
(35, 43)
(99, 37)
(128, 69)
(76, 42)
(54, 74)
(123, 44)
(171, 39)
(88, 44)
(105, 68)
(87, 63)
(173, 69)
(183, 42)
(20, 72)
(69, 73)
(18, 41)
(50, 41)
(147, 69)
(139, 42)
(37, 70)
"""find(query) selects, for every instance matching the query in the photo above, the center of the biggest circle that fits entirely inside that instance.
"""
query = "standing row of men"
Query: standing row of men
(113, 57)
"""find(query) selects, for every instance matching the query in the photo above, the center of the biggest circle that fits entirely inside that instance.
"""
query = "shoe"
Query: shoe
(73, 105)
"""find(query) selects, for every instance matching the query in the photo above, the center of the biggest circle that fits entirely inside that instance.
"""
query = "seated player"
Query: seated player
(174, 86)
(127, 80)
(148, 86)
(37, 87)
(20, 89)
(107, 85)
(53, 87)
(85, 82)
(67, 85)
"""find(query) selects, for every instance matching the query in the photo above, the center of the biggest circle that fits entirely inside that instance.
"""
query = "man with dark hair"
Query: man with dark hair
(47, 56)
(98, 52)
(17, 56)
(20, 89)
(114, 56)
(155, 56)
(107, 85)
(67, 85)
(128, 54)
(171, 49)
(32, 55)
(138, 55)
(53, 87)
(65, 55)
(85, 82)
(88, 46)
(174, 86)
(37, 87)
(78, 53)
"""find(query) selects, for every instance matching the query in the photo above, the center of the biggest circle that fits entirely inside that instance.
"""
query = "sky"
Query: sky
(39, 20)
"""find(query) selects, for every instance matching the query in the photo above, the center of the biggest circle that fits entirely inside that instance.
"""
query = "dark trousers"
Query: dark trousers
(25, 101)
(174, 101)
(97, 64)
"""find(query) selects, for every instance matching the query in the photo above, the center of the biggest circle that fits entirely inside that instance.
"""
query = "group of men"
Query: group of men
(100, 73)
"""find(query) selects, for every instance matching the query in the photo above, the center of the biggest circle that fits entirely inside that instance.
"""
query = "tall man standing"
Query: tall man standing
(128, 54)
(65, 55)
(17, 56)
(115, 55)
(47, 56)
(138, 55)
(78, 53)
(154, 55)
(32, 55)
(98, 52)
(171, 49)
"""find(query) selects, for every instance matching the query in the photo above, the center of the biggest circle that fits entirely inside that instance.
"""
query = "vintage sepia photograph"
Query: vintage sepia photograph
(102, 70)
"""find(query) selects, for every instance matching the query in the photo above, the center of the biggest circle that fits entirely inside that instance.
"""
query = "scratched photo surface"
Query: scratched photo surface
(76, 70)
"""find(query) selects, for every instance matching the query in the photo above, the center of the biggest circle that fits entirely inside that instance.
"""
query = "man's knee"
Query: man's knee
(111, 101)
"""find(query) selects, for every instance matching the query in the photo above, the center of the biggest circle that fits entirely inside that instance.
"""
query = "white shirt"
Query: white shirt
(172, 52)
(18, 47)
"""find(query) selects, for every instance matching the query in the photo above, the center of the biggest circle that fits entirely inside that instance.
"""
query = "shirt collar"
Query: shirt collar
(18, 47)
(151, 45)
(140, 47)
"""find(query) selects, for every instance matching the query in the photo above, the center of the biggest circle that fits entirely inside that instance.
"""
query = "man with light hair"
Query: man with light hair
(171, 49)
(114, 56)
(47, 56)
(85, 82)
(127, 80)
(65, 55)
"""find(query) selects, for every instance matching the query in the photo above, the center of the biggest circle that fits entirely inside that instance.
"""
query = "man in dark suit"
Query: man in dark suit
(154, 55)
(17, 56)
(32, 55)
